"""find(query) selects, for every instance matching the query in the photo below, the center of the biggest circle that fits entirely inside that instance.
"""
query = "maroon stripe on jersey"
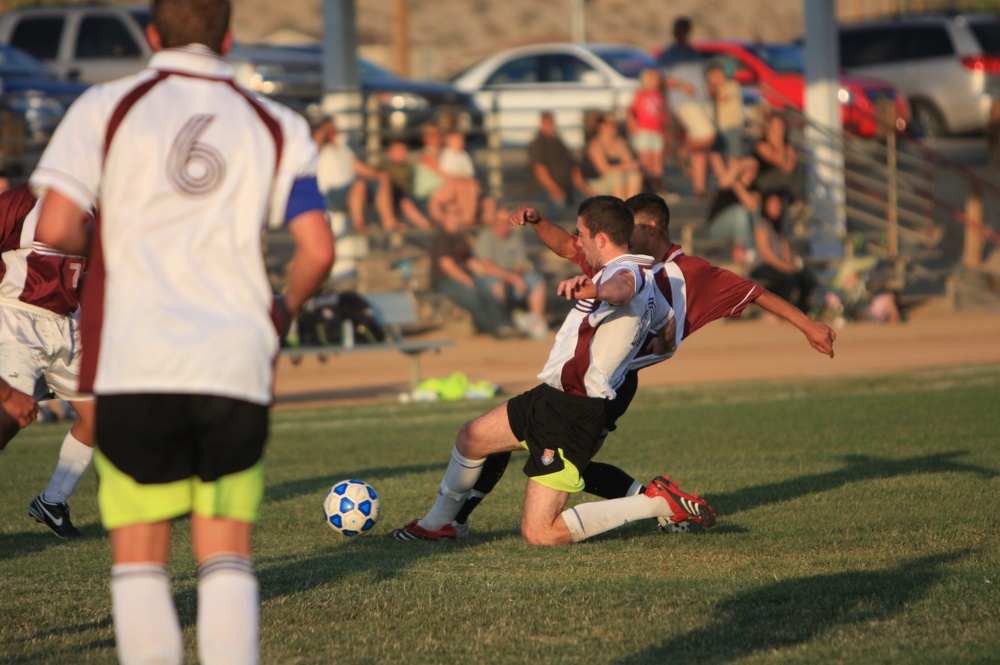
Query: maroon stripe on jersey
(575, 369)
(15, 204)
(269, 121)
(49, 282)
(126, 104)
(92, 310)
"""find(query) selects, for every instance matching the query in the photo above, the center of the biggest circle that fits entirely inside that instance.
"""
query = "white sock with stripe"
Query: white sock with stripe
(74, 458)
(460, 477)
(228, 611)
(589, 519)
(146, 626)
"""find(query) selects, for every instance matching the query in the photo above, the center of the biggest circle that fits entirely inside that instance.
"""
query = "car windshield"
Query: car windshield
(988, 35)
(782, 58)
(15, 60)
(627, 62)
(141, 17)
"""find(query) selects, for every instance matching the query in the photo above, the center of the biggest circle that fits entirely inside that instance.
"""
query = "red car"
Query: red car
(778, 72)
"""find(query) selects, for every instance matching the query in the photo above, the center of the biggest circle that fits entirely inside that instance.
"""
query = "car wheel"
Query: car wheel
(928, 119)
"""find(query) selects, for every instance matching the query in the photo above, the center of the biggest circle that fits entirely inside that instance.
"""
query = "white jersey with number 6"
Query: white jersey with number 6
(177, 298)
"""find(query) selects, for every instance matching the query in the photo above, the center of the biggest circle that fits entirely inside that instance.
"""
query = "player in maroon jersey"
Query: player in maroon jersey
(39, 340)
(699, 294)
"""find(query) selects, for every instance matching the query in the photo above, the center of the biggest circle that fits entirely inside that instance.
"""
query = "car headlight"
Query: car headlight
(33, 102)
(403, 101)
(249, 76)
(844, 96)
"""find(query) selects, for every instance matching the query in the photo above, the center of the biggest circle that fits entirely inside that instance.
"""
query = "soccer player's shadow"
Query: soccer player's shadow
(858, 468)
(794, 611)
(38, 538)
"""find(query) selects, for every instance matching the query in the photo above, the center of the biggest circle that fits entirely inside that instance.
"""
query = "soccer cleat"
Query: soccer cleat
(414, 531)
(53, 515)
(684, 506)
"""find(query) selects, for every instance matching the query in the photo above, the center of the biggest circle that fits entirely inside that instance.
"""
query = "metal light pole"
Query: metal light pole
(825, 131)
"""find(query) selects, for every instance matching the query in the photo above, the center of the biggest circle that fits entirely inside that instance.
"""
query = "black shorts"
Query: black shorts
(623, 398)
(557, 428)
(162, 438)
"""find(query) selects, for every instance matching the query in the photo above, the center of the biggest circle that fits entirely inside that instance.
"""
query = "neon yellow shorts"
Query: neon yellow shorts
(124, 502)
(567, 479)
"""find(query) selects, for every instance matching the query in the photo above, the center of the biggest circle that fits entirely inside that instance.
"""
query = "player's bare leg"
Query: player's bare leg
(489, 433)
(541, 518)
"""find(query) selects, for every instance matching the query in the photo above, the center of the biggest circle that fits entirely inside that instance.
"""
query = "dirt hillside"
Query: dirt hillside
(447, 36)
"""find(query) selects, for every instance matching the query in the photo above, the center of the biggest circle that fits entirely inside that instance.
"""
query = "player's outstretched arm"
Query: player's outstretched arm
(615, 290)
(555, 237)
(20, 406)
(820, 335)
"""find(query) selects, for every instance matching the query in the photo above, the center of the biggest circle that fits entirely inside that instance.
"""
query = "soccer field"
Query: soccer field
(858, 523)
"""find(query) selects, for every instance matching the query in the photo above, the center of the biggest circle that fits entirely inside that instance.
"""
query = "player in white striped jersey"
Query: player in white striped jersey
(40, 339)
(186, 169)
(561, 421)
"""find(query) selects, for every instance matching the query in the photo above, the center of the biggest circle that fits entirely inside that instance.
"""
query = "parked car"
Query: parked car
(87, 43)
(33, 101)
(294, 75)
(567, 79)
(96, 43)
(778, 72)
(947, 64)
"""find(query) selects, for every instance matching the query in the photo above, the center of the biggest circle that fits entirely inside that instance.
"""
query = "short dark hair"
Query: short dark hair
(651, 208)
(608, 215)
(683, 23)
(183, 22)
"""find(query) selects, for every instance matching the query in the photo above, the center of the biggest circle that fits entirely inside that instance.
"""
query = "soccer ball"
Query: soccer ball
(351, 507)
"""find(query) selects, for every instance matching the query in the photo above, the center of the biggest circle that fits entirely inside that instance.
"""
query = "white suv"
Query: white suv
(85, 43)
(947, 64)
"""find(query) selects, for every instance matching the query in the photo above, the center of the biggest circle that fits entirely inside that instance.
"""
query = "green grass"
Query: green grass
(858, 523)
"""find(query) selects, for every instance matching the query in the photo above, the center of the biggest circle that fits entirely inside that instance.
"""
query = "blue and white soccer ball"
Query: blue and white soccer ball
(351, 507)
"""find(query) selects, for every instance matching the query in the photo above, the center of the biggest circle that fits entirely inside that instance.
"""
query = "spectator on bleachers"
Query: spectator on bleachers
(429, 181)
(779, 167)
(730, 143)
(344, 180)
(608, 165)
(685, 80)
(517, 284)
(553, 168)
(396, 166)
(730, 217)
(458, 276)
(647, 124)
(776, 268)
(456, 164)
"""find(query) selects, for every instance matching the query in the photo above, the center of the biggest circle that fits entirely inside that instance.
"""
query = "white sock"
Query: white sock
(635, 489)
(74, 458)
(228, 611)
(146, 627)
(589, 519)
(461, 475)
